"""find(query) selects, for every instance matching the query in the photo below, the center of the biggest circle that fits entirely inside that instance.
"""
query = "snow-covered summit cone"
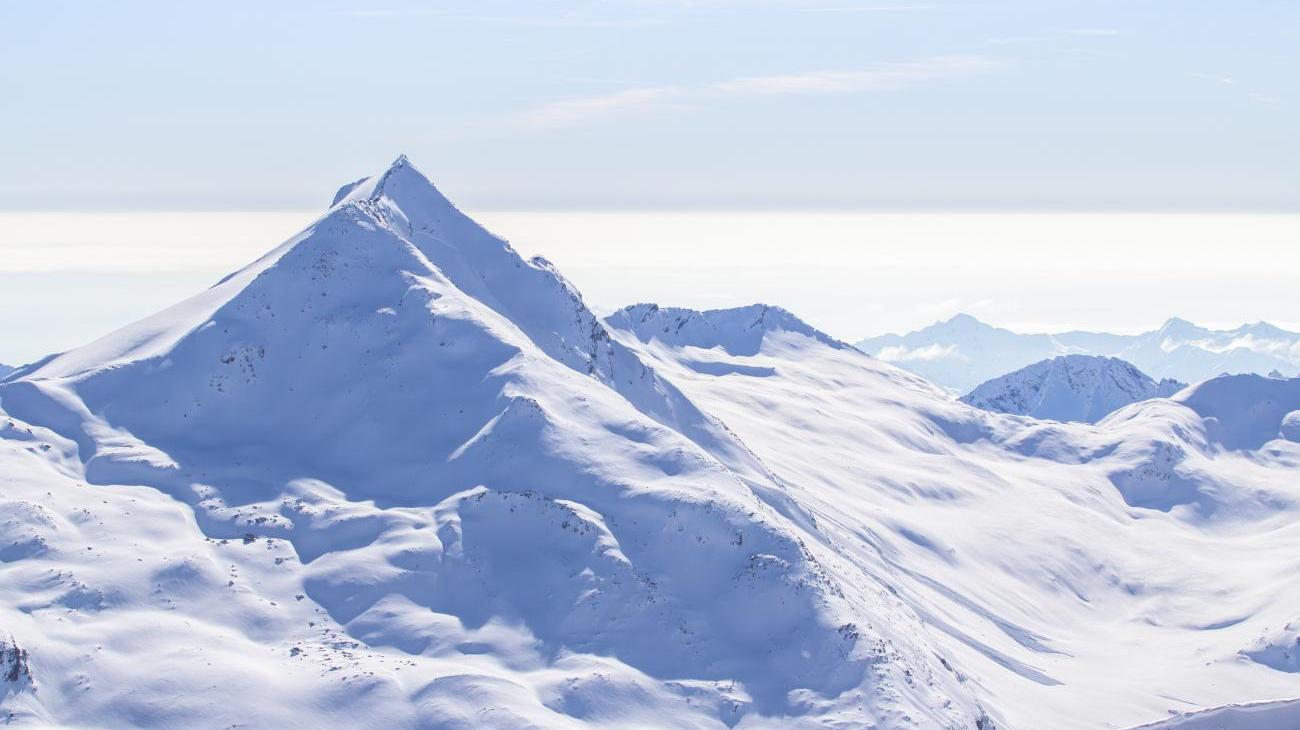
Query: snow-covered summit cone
(1070, 388)
(386, 303)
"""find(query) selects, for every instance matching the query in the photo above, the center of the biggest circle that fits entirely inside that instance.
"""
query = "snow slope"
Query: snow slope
(1132, 568)
(391, 475)
(1274, 715)
(5, 370)
(1069, 388)
(962, 352)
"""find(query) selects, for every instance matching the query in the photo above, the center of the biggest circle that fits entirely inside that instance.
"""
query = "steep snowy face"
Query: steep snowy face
(394, 447)
(1070, 388)
(962, 352)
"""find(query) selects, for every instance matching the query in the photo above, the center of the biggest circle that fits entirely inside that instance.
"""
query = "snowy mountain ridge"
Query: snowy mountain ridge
(1070, 388)
(739, 330)
(962, 352)
(392, 475)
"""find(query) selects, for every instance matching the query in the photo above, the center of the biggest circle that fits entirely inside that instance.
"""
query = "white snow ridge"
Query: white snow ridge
(391, 475)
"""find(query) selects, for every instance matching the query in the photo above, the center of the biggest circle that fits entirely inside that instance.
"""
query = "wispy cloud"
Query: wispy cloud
(1223, 80)
(1013, 40)
(1216, 78)
(866, 8)
(1288, 350)
(882, 77)
(926, 353)
(1050, 36)
(1092, 31)
(559, 20)
(578, 111)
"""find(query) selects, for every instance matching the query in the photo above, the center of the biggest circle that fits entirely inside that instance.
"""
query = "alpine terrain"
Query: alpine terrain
(962, 352)
(391, 475)
(1070, 388)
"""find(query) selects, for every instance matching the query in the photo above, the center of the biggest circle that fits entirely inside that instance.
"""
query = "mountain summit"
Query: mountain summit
(1070, 388)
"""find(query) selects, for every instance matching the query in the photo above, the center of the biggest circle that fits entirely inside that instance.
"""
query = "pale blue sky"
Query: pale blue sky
(885, 104)
(151, 147)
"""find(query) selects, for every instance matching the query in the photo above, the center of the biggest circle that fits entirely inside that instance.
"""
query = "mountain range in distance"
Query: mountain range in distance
(960, 353)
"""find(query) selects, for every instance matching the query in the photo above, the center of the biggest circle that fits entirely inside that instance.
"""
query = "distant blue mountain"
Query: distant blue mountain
(962, 352)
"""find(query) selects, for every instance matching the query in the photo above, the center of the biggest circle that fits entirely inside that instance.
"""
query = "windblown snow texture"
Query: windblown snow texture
(391, 475)
(1070, 388)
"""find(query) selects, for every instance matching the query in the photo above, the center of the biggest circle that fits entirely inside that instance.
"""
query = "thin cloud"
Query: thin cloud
(883, 77)
(573, 112)
(926, 353)
(1092, 31)
(868, 9)
(563, 20)
(1013, 40)
(1255, 96)
(1216, 78)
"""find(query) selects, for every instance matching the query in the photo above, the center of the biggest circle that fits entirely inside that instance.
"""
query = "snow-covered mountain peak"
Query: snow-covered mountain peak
(393, 280)
(963, 321)
(1069, 388)
(400, 175)
(738, 330)
(1178, 327)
